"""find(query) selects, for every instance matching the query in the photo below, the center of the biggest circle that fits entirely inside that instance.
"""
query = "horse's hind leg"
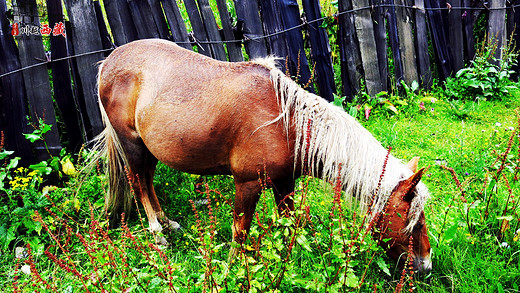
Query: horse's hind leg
(141, 167)
(150, 164)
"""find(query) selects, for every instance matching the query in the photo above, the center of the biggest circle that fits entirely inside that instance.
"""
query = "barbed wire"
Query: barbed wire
(257, 38)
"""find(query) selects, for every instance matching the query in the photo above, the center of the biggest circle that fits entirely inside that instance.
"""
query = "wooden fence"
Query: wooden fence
(48, 69)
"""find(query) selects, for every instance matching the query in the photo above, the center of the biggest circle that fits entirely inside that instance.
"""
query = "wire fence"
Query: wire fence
(266, 36)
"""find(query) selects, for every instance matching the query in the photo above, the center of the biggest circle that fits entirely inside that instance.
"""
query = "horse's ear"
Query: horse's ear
(412, 165)
(411, 183)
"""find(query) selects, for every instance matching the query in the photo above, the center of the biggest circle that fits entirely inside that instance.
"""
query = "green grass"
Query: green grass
(468, 250)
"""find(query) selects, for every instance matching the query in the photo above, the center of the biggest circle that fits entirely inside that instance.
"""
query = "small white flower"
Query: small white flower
(511, 128)
(504, 245)
(26, 269)
(498, 124)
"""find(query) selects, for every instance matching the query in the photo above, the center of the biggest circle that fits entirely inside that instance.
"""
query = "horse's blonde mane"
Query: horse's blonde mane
(337, 138)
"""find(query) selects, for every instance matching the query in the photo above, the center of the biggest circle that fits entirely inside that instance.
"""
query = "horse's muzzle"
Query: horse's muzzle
(423, 265)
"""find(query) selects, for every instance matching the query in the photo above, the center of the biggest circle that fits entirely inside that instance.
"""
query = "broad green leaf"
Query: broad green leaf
(5, 154)
(13, 163)
(302, 240)
(507, 218)
(382, 265)
(44, 128)
(32, 137)
(41, 167)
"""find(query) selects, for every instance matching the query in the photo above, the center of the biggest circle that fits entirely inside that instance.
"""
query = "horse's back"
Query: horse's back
(192, 112)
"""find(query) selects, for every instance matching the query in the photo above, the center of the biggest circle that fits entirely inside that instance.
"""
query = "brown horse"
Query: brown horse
(202, 116)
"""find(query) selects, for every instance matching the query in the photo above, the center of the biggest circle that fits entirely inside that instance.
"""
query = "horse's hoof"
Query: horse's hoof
(172, 225)
(161, 241)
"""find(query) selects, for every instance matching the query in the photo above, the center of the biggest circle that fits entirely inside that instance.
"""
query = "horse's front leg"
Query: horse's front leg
(246, 197)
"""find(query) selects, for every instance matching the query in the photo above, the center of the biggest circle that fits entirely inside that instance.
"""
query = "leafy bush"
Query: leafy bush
(485, 79)
(22, 192)
(384, 104)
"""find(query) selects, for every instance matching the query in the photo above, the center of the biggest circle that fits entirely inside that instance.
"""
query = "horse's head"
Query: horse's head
(391, 224)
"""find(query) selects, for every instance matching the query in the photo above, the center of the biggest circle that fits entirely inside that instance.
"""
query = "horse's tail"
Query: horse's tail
(107, 145)
(119, 197)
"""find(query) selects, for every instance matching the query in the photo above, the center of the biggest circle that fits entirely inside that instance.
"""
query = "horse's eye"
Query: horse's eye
(418, 226)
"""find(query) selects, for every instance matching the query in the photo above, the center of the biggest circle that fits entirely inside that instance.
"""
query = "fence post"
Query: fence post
(234, 48)
(349, 50)
(106, 42)
(298, 63)
(63, 94)
(513, 16)
(406, 41)
(468, 22)
(198, 27)
(393, 37)
(37, 85)
(439, 39)
(367, 46)
(12, 94)
(120, 20)
(272, 23)
(158, 18)
(247, 11)
(381, 43)
(86, 39)
(455, 34)
(496, 25)
(423, 57)
(208, 18)
(320, 51)
(143, 19)
(177, 26)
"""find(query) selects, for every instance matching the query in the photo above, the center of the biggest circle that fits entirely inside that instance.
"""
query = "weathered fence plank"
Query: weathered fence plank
(496, 26)
(143, 19)
(120, 20)
(12, 94)
(468, 22)
(177, 26)
(439, 38)
(234, 48)
(423, 57)
(393, 37)
(350, 57)
(106, 41)
(367, 47)
(77, 88)
(297, 58)
(513, 16)
(37, 85)
(320, 51)
(208, 18)
(381, 43)
(277, 43)
(63, 94)
(199, 31)
(158, 18)
(247, 12)
(86, 39)
(455, 34)
(406, 41)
